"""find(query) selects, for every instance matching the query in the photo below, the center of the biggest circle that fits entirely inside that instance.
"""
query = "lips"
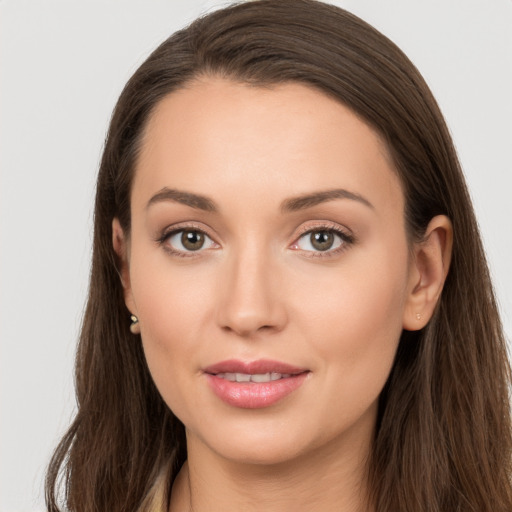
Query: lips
(256, 377)
(256, 384)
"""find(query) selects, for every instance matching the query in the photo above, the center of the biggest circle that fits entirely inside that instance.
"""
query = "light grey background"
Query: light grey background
(63, 64)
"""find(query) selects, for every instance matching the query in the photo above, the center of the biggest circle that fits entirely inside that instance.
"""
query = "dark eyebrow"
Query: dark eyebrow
(309, 200)
(187, 198)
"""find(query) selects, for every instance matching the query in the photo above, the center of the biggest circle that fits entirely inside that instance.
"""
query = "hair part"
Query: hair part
(443, 438)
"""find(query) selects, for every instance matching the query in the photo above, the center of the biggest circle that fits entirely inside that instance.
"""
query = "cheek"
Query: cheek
(355, 322)
(373, 305)
(168, 295)
(171, 304)
(355, 353)
(366, 293)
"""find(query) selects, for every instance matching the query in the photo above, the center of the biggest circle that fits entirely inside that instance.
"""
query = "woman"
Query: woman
(289, 307)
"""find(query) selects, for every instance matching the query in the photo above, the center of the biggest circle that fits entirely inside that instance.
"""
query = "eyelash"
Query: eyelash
(170, 232)
(346, 240)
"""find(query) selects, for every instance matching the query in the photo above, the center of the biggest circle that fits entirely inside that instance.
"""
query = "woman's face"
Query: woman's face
(269, 268)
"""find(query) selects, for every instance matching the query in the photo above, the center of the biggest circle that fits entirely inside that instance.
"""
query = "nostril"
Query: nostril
(249, 330)
(249, 302)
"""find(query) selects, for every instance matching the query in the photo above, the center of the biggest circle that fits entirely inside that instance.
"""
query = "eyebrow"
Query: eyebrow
(196, 201)
(293, 204)
(310, 200)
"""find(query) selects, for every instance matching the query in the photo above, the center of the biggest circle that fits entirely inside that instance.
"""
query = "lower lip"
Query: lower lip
(254, 395)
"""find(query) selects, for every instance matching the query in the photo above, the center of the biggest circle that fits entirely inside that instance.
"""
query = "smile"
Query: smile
(256, 384)
(257, 377)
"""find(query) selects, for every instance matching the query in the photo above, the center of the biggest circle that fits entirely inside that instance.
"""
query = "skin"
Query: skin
(260, 289)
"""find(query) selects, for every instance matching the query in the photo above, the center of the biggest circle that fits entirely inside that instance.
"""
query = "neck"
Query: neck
(332, 478)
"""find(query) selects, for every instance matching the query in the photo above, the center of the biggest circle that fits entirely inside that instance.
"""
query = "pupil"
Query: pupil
(192, 240)
(322, 240)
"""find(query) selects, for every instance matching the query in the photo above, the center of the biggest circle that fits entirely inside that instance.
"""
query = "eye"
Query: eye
(321, 240)
(188, 240)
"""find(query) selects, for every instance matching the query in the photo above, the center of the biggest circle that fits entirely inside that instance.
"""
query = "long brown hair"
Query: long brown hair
(443, 439)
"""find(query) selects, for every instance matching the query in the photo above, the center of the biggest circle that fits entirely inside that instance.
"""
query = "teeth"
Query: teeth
(256, 377)
(262, 377)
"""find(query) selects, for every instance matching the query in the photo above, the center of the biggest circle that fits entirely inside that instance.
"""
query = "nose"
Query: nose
(251, 299)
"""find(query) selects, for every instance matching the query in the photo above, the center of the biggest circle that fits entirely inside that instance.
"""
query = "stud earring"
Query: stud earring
(134, 326)
(418, 316)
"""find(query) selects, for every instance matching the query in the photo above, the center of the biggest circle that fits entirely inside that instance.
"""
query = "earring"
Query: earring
(134, 327)
(418, 316)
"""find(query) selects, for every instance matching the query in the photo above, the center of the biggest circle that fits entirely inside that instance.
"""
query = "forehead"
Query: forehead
(284, 139)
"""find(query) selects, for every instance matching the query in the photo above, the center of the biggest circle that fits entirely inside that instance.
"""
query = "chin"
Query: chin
(265, 454)
(257, 443)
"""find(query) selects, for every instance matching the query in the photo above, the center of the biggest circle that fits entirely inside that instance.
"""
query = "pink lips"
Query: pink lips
(279, 380)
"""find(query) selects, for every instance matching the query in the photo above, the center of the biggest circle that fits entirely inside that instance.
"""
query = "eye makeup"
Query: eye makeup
(322, 239)
(193, 239)
(326, 239)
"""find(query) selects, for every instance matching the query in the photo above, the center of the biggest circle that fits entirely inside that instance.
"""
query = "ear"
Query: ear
(121, 248)
(428, 270)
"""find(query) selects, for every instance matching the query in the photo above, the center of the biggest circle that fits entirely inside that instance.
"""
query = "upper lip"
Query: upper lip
(260, 366)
